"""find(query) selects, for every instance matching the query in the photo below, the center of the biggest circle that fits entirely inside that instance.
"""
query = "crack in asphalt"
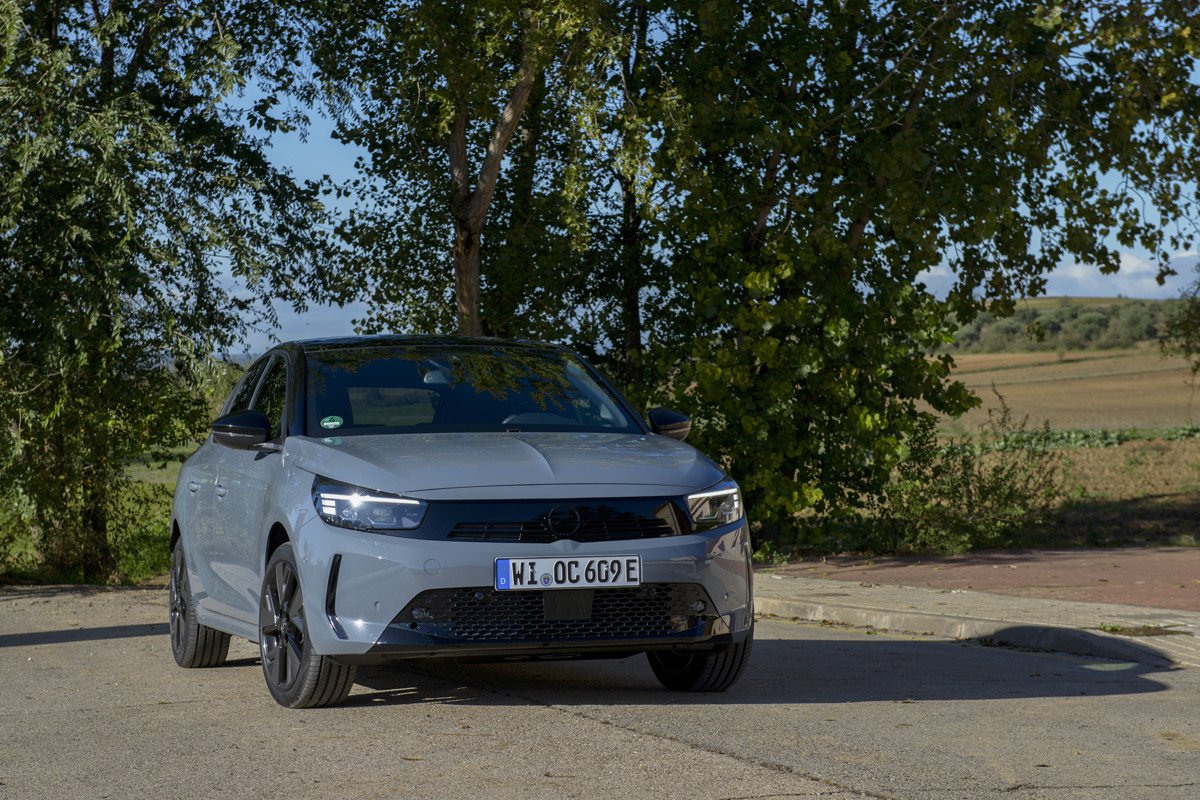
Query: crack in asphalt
(745, 759)
(1021, 787)
(785, 794)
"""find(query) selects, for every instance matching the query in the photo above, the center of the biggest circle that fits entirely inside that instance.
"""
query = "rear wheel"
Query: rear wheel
(701, 671)
(192, 644)
(297, 676)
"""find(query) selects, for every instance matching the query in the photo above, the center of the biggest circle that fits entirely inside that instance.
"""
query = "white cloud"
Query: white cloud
(1135, 278)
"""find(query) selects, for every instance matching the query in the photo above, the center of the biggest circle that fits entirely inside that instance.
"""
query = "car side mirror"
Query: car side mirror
(666, 422)
(241, 430)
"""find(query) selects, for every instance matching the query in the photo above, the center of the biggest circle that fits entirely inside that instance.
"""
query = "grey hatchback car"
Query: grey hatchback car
(367, 499)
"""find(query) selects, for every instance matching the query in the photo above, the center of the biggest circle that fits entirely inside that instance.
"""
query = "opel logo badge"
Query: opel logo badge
(563, 521)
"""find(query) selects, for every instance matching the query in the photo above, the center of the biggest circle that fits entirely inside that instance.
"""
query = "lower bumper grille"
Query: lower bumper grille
(483, 614)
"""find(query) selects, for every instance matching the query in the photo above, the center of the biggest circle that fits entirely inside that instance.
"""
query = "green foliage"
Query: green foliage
(472, 115)
(128, 191)
(138, 521)
(1093, 437)
(731, 205)
(962, 495)
(1067, 325)
(825, 157)
(1181, 334)
(967, 495)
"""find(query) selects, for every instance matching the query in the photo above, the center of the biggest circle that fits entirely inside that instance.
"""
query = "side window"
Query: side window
(272, 397)
(245, 391)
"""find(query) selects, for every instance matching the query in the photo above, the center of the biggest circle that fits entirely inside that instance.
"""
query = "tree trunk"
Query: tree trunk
(514, 269)
(472, 201)
(96, 555)
(466, 278)
(631, 281)
(631, 244)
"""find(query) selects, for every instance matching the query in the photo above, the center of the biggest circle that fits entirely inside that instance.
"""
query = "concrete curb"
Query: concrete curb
(1061, 639)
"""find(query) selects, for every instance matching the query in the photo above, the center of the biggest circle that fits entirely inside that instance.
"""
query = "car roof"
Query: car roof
(395, 339)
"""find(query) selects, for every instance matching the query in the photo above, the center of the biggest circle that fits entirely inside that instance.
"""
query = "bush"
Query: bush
(950, 497)
(139, 526)
(965, 494)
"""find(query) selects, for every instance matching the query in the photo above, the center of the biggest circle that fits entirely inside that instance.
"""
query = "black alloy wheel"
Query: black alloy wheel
(297, 676)
(192, 644)
(281, 620)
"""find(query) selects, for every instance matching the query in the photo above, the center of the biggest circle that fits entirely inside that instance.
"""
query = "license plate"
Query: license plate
(568, 573)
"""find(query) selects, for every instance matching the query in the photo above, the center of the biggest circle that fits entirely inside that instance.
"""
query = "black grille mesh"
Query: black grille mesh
(485, 615)
(590, 530)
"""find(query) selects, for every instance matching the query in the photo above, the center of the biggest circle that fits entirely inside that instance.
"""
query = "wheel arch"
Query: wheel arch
(277, 537)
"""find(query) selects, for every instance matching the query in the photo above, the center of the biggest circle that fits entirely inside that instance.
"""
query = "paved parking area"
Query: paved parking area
(1157, 577)
(93, 706)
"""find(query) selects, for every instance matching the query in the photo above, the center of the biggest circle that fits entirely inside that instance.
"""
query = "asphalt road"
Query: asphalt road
(92, 705)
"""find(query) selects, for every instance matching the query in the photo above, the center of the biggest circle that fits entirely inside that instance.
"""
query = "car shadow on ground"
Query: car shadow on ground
(863, 667)
(781, 671)
(66, 635)
(36, 591)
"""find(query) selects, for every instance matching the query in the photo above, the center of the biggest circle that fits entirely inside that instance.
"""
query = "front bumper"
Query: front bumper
(358, 588)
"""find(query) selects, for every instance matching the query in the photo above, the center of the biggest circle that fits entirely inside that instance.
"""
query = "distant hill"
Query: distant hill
(1066, 324)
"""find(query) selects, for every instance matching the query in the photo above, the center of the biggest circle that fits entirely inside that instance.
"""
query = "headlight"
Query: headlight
(716, 506)
(363, 509)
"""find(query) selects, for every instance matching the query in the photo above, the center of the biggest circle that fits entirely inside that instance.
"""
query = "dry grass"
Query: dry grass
(1139, 493)
(1105, 389)
(1143, 492)
(1132, 470)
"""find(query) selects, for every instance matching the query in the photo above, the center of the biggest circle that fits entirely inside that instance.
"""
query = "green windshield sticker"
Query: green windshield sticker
(333, 421)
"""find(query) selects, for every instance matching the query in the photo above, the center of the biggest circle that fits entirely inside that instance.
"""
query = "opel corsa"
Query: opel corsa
(369, 499)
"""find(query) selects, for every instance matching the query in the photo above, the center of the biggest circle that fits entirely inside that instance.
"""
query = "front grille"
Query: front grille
(483, 614)
(596, 529)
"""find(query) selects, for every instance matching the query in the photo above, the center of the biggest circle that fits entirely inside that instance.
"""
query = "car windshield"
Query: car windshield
(455, 388)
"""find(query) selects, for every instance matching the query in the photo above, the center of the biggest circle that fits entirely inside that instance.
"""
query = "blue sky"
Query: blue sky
(321, 155)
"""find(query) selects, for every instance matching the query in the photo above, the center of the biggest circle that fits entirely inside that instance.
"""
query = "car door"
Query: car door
(242, 484)
(204, 556)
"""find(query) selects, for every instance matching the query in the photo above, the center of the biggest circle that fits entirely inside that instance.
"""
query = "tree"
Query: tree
(130, 192)
(830, 153)
(1181, 330)
(735, 204)
(436, 94)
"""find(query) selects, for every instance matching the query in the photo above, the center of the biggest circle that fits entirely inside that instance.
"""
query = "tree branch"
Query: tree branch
(502, 133)
(457, 149)
(143, 44)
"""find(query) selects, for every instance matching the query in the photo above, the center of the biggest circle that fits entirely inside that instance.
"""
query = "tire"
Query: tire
(296, 675)
(192, 644)
(701, 671)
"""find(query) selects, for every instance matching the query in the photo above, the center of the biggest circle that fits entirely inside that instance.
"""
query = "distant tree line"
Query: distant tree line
(1067, 325)
(729, 205)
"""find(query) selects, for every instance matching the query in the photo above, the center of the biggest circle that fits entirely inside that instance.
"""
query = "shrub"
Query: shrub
(969, 494)
(950, 497)
(139, 525)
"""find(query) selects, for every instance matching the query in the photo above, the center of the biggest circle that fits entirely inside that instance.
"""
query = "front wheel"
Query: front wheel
(701, 671)
(297, 676)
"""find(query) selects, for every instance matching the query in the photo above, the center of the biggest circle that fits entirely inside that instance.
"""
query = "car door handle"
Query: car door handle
(221, 490)
(193, 486)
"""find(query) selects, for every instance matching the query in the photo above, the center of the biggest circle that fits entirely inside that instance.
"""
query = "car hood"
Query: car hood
(508, 465)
